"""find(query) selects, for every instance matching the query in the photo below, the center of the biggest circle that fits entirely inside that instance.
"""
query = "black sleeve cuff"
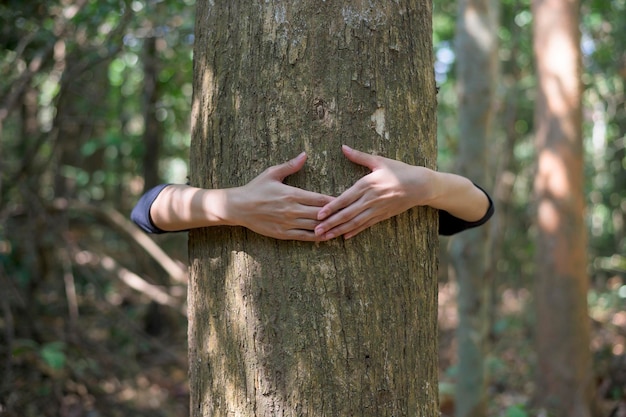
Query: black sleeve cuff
(450, 225)
(141, 212)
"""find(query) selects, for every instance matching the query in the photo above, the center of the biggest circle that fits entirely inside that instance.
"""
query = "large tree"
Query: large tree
(564, 374)
(283, 328)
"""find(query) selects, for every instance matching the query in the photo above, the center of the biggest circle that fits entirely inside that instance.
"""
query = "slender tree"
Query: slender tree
(153, 133)
(282, 328)
(564, 374)
(476, 52)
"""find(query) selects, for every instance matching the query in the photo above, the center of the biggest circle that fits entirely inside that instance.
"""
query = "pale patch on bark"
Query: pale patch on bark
(369, 14)
(297, 48)
(208, 87)
(379, 124)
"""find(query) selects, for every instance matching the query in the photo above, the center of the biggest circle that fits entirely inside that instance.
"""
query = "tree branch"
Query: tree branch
(120, 223)
(136, 282)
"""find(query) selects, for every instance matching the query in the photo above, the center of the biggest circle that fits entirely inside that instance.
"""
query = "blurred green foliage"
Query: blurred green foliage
(516, 411)
(603, 42)
(53, 354)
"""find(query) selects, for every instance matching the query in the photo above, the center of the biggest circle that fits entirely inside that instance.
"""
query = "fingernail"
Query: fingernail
(321, 215)
(329, 236)
(347, 147)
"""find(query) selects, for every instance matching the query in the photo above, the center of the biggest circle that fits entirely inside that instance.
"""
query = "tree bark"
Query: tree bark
(342, 328)
(564, 374)
(476, 51)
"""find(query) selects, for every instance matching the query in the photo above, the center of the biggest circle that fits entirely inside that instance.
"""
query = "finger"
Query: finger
(361, 158)
(299, 234)
(343, 221)
(280, 172)
(310, 198)
(305, 224)
(357, 224)
(346, 198)
(304, 212)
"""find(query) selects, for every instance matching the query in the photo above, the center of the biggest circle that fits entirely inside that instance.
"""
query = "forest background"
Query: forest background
(94, 109)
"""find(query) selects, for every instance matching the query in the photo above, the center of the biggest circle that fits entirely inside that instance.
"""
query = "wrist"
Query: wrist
(231, 205)
(210, 207)
(433, 191)
(459, 196)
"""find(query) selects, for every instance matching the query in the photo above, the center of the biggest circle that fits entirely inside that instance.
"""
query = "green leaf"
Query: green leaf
(53, 354)
(516, 411)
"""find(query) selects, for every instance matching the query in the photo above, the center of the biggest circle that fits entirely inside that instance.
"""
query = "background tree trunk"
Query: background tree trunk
(564, 374)
(153, 134)
(476, 52)
(280, 328)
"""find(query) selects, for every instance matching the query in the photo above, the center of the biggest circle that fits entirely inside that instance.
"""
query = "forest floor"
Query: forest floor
(124, 356)
(511, 361)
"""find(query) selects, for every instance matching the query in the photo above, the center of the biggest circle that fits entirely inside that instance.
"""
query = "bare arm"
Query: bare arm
(182, 207)
(459, 196)
(265, 205)
(392, 188)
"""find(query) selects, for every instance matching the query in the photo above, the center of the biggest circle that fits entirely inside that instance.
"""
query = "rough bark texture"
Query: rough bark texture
(476, 51)
(564, 374)
(343, 328)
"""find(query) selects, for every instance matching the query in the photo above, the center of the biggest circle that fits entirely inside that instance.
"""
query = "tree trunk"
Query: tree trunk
(76, 127)
(153, 134)
(564, 374)
(476, 51)
(342, 328)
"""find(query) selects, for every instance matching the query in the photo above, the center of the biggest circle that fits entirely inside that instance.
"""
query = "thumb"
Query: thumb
(280, 172)
(361, 158)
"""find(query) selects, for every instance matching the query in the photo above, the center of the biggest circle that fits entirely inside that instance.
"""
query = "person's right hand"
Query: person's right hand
(269, 207)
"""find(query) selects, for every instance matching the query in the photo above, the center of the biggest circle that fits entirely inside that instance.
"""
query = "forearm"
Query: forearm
(459, 196)
(182, 207)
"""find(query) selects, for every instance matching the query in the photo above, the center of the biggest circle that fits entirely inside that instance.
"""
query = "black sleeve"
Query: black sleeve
(141, 212)
(450, 225)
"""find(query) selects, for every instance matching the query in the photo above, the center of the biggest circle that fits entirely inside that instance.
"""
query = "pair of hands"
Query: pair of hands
(275, 209)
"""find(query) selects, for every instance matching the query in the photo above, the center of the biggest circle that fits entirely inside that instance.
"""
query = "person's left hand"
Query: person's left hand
(390, 189)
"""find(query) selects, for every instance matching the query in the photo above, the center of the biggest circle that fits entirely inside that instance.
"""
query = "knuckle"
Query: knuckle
(271, 170)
